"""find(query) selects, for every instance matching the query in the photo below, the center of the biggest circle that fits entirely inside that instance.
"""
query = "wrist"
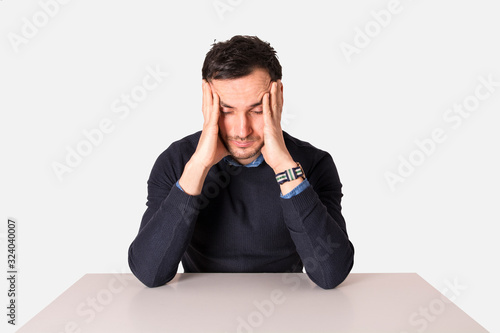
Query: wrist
(290, 176)
(196, 163)
(193, 177)
(285, 165)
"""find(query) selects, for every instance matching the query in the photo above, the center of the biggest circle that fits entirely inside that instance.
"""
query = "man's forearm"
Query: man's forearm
(155, 253)
(167, 225)
(321, 242)
(193, 177)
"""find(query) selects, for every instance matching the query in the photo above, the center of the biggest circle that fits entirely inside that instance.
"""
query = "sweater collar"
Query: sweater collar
(253, 164)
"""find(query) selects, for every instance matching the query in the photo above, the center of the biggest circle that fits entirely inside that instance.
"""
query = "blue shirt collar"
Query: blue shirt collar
(253, 164)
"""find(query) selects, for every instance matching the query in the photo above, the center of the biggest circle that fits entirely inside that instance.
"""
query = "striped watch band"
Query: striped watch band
(290, 174)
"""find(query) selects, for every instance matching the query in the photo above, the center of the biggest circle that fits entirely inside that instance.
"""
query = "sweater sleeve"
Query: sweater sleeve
(166, 227)
(317, 226)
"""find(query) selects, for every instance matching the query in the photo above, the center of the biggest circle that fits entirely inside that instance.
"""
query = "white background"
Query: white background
(440, 222)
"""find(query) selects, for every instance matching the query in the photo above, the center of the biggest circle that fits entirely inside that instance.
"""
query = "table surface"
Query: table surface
(252, 302)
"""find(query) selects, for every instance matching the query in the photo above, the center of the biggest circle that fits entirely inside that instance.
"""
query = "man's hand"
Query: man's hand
(210, 149)
(274, 150)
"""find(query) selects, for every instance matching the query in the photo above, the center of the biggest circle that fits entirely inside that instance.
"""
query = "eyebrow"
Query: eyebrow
(232, 107)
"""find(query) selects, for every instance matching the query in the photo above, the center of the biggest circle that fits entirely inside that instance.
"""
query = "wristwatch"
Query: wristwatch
(291, 174)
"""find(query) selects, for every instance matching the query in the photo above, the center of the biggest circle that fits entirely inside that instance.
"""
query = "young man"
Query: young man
(242, 195)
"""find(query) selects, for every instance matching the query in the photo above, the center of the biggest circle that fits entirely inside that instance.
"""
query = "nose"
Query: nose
(243, 126)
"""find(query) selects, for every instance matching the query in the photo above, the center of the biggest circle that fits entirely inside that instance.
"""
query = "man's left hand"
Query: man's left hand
(274, 150)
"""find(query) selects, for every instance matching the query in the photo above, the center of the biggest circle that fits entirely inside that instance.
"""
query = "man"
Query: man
(242, 195)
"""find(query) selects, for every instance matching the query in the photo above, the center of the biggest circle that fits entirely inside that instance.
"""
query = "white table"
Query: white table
(269, 302)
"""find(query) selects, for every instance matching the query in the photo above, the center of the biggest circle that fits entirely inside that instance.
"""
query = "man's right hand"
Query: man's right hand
(210, 149)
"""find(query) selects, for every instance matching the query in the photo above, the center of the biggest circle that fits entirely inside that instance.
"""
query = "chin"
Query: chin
(243, 154)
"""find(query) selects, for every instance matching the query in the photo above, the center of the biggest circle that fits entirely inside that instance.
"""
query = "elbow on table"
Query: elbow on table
(334, 281)
(330, 281)
(153, 283)
(145, 274)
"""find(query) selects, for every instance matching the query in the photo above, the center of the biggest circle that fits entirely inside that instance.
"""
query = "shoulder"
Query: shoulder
(170, 163)
(190, 140)
(317, 163)
(182, 148)
(303, 150)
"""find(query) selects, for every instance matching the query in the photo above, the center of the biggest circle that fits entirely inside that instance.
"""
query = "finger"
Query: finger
(205, 97)
(274, 100)
(273, 97)
(207, 101)
(280, 96)
(266, 109)
(214, 117)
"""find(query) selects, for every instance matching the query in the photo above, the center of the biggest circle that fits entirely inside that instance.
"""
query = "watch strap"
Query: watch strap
(290, 174)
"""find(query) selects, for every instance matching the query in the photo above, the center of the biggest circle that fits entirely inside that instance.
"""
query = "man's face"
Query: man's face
(241, 121)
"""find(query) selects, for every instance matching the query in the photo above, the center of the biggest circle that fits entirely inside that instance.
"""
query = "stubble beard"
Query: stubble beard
(240, 152)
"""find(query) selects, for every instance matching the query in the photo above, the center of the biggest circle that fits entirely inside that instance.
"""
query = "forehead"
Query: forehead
(247, 89)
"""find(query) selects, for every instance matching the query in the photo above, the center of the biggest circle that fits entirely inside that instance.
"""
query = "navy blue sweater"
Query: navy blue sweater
(239, 223)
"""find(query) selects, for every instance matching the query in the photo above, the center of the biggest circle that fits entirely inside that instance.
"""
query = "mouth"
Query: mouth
(242, 144)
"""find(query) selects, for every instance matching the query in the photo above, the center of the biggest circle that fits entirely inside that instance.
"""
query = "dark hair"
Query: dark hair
(238, 57)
